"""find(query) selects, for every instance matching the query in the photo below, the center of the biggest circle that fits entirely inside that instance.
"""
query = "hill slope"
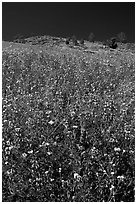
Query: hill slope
(68, 122)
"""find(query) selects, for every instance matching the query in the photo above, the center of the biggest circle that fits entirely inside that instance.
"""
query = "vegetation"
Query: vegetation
(67, 41)
(91, 37)
(74, 40)
(82, 41)
(18, 38)
(68, 124)
(121, 37)
(112, 43)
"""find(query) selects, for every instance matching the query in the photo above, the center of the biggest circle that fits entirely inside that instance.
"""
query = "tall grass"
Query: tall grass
(72, 111)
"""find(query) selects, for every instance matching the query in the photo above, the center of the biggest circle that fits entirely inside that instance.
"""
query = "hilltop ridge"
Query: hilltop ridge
(52, 41)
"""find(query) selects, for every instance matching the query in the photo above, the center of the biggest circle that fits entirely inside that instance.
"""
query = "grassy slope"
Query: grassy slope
(71, 109)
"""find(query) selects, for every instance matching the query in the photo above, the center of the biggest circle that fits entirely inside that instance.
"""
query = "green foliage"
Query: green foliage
(68, 126)
(91, 37)
(19, 38)
(68, 40)
(74, 40)
(111, 43)
(121, 37)
(82, 41)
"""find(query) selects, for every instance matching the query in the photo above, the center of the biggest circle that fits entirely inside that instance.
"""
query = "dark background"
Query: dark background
(62, 19)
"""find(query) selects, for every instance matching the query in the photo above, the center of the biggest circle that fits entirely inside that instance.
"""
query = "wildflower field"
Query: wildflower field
(68, 123)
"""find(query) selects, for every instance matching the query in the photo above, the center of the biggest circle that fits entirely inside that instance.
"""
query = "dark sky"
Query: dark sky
(104, 19)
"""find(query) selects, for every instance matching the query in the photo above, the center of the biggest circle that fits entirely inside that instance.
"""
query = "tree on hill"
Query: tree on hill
(91, 37)
(74, 40)
(81, 41)
(67, 40)
(121, 37)
(18, 38)
(113, 43)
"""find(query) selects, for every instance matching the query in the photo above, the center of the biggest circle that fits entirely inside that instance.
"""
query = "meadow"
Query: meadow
(68, 116)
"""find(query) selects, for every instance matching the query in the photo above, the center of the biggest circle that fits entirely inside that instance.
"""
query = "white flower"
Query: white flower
(72, 113)
(47, 144)
(38, 179)
(48, 112)
(55, 143)
(49, 153)
(51, 122)
(11, 147)
(112, 187)
(111, 140)
(31, 151)
(121, 177)
(117, 149)
(75, 126)
(24, 155)
(44, 144)
(76, 176)
(9, 171)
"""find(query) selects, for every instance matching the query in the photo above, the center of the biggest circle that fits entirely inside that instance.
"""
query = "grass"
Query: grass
(68, 124)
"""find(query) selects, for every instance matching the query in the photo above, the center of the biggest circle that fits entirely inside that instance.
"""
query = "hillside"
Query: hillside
(68, 121)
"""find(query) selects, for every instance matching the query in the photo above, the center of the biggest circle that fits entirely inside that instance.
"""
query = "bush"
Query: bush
(91, 37)
(121, 37)
(74, 40)
(18, 38)
(111, 43)
(67, 41)
(82, 41)
(104, 43)
(113, 39)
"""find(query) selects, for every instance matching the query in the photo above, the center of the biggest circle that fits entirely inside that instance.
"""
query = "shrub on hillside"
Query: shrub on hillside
(67, 41)
(18, 38)
(121, 37)
(82, 41)
(111, 43)
(74, 40)
(91, 37)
